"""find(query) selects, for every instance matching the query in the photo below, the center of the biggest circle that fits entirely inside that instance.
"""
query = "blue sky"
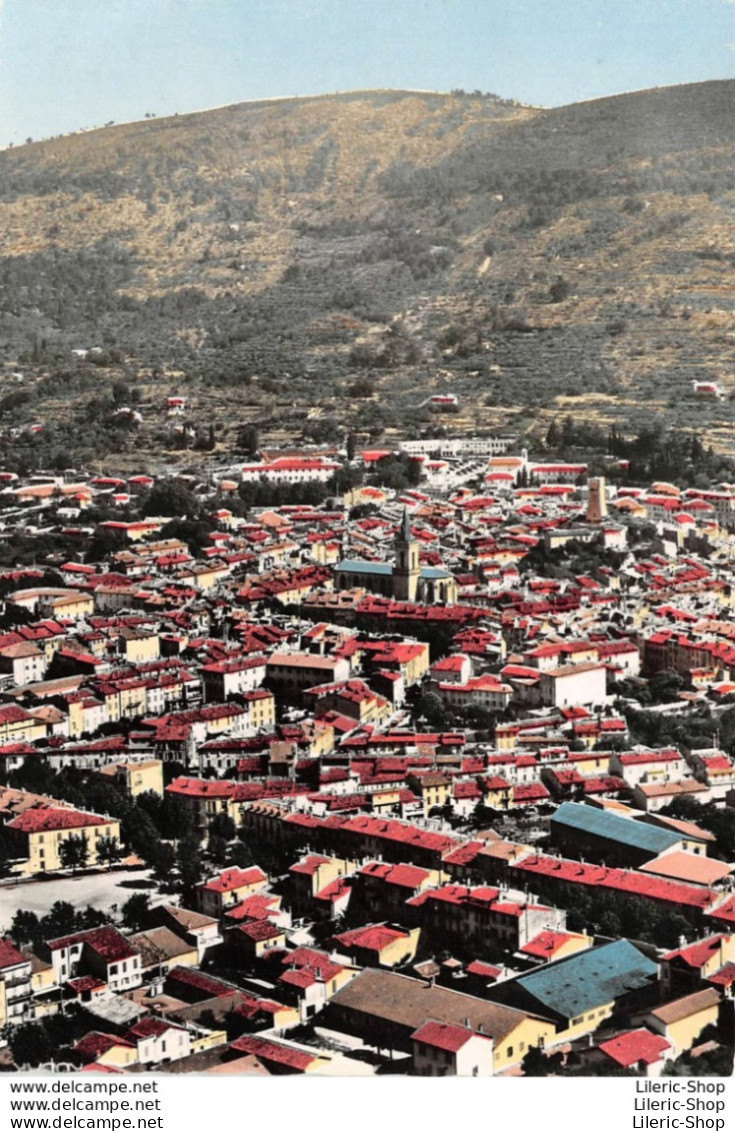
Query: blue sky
(67, 64)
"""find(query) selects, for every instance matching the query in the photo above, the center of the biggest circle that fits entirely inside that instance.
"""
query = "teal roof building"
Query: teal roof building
(403, 580)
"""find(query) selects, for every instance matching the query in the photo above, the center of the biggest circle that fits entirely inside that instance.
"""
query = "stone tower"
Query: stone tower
(407, 569)
(596, 500)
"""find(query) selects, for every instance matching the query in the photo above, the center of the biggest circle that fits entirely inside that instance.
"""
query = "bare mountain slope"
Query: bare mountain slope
(315, 264)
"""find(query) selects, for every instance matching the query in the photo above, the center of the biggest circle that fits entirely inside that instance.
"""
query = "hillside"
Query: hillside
(313, 265)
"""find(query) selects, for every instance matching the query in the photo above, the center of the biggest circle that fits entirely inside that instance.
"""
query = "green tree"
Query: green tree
(60, 920)
(193, 532)
(665, 686)
(141, 833)
(176, 819)
(222, 825)
(170, 497)
(74, 852)
(109, 851)
(430, 707)
(106, 541)
(217, 849)
(120, 393)
(248, 439)
(162, 861)
(134, 911)
(25, 927)
(553, 435)
(715, 1062)
(568, 432)
(150, 802)
(30, 1044)
(91, 917)
(36, 776)
(189, 861)
(719, 822)
(239, 855)
(537, 1063)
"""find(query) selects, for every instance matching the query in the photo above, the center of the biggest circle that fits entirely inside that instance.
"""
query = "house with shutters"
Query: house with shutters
(214, 897)
(103, 952)
(16, 990)
(442, 1049)
(158, 1041)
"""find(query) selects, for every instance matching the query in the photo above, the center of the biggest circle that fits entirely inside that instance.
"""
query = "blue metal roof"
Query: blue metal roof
(353, 565)
(385, 569)
(590, 979)
(611, 826)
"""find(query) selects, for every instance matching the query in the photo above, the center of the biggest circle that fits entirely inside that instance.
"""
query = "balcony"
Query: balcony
(11, 983)
(19, 995)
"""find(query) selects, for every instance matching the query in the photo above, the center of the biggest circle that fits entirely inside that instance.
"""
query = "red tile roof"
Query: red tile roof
(260, 930)
(615, 879)
(315, 961)
(546, 943)
(440, 1035)
(232, 878)
(108, 942)
(637, 1046)
(284, 1056)
(370, 938)
(259, 906)
(10, 955)
(697, 953)
(50, 819)
(302, 979)
(150, 1027)
(484, 970)
(94, 1044)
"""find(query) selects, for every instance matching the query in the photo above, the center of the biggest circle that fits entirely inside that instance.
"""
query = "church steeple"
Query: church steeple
(407, 569)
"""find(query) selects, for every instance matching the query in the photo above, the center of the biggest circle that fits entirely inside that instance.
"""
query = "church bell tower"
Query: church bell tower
(407, 569)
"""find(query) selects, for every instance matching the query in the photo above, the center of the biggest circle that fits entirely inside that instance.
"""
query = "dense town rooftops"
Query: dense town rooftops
(242, 606)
